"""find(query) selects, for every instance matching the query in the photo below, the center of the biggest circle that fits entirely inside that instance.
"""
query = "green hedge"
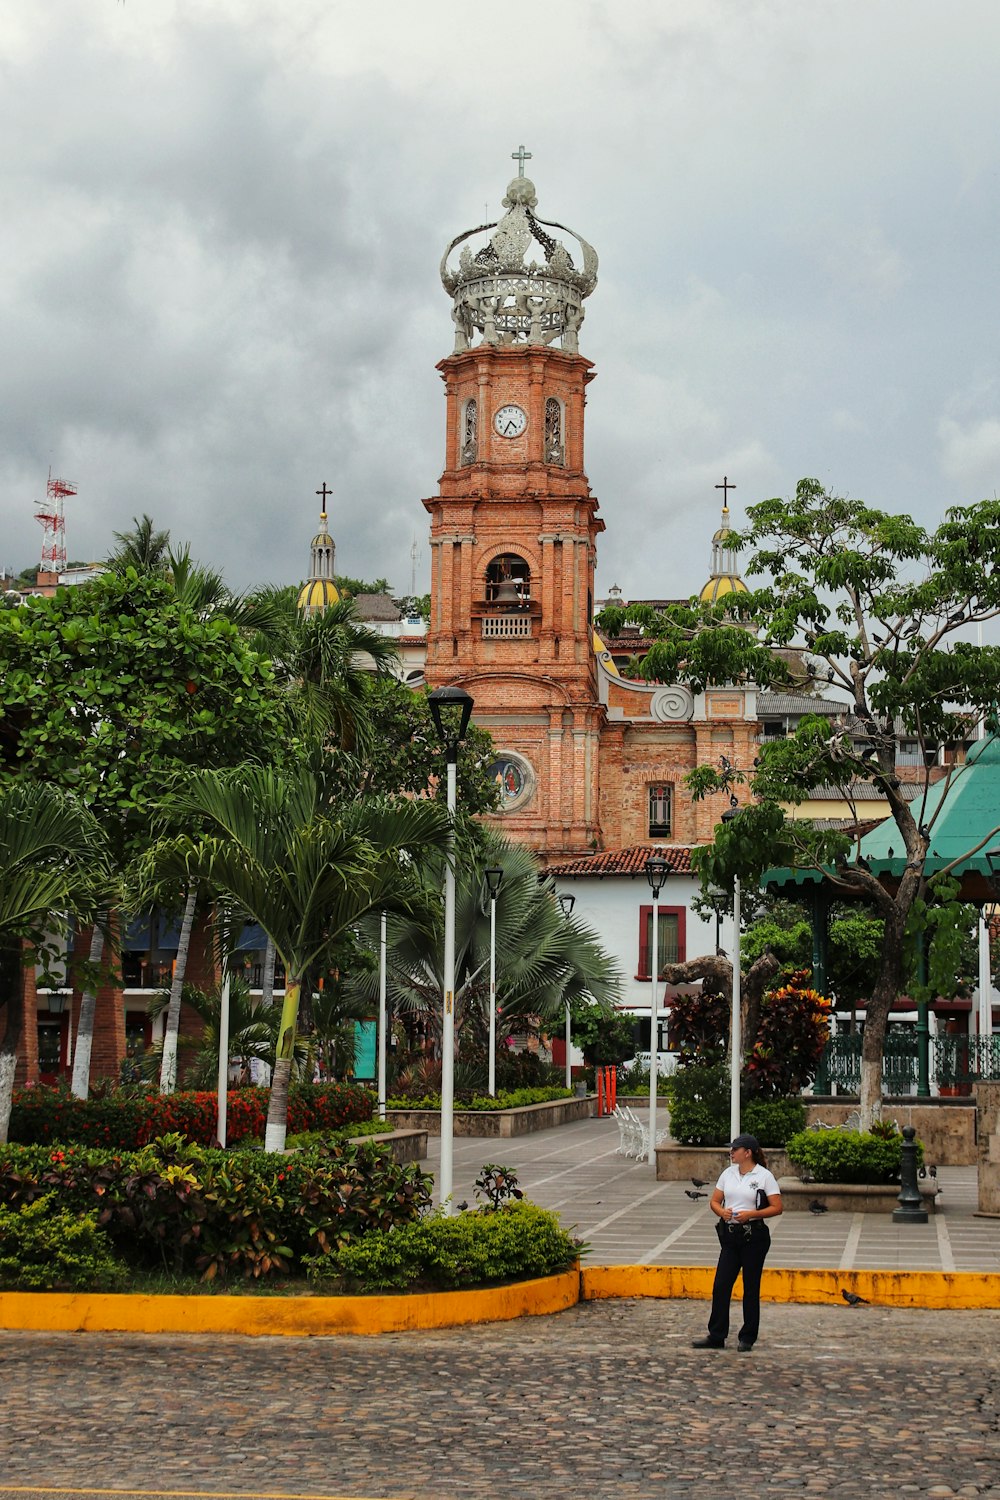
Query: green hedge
(848, 1155)
(504, 1099)
(127, 1122)
(773, 1121)
(46, 1248)
(191, 1211)
(480, 1248)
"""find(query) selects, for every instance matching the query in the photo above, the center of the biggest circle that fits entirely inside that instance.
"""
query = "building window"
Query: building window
(660, 804)
(672, 938)
(554, 450)
(470, 440)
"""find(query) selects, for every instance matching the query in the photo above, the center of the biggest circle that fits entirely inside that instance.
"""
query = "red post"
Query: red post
(614, 1088)
(599, 1080)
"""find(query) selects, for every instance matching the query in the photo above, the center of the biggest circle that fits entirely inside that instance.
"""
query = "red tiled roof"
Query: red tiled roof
(624, 861)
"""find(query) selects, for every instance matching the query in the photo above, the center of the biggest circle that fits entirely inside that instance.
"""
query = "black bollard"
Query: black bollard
(911, 1209)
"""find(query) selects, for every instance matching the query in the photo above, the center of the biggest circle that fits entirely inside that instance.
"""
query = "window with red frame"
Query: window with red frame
(672, 925)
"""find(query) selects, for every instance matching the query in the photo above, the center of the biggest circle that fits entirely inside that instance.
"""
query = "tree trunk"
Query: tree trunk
(85, 1025)
(8, 1048)
(755, 982)
(887, 987)
(277, 1107)
(168, 1062)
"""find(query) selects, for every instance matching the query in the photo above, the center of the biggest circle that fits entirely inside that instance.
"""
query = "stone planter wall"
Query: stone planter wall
(498, 1123)
(680, 1163)
(407, 1145)
(947, 1131)
(851, 1197)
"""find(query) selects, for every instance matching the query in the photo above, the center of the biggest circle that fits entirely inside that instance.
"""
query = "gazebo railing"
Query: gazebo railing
(955, 1061)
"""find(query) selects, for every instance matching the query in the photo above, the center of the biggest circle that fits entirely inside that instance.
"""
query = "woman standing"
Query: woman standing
(745, 1196)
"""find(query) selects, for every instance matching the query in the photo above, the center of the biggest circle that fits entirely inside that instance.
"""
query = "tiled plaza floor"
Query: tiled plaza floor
(630, 1219)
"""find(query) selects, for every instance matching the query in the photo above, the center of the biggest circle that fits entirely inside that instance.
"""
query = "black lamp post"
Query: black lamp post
(567, 901)
(657, 871)
(717, 899)
(451, 709)
(494, 879)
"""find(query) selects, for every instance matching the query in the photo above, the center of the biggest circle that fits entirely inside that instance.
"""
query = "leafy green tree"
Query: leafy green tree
(107, 690)
(406, 754)
(305, 868)
(883, 606)
(52, 859)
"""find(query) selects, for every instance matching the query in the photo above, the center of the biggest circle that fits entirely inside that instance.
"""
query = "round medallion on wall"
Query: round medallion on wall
(515, 780)
(510, 421)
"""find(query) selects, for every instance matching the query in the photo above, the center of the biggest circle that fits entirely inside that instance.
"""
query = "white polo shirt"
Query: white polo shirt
(740, 1191)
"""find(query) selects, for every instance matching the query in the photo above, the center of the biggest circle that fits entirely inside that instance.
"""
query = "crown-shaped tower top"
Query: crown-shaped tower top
(508, 299)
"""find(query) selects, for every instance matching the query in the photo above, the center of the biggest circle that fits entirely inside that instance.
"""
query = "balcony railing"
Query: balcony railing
(507, 627)
(955, 1062)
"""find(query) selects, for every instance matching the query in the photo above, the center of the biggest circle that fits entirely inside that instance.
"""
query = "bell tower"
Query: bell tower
(514, 525)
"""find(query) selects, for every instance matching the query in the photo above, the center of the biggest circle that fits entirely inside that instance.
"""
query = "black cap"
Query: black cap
(748, 1141)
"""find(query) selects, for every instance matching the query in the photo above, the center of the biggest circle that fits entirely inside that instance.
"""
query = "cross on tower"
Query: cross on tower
(725, 487)
(520, 156)
(324, 492)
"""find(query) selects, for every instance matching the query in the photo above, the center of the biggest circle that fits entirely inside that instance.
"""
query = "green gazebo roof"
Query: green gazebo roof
(970, 815)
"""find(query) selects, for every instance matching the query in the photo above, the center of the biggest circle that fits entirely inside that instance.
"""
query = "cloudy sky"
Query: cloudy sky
(221, 222)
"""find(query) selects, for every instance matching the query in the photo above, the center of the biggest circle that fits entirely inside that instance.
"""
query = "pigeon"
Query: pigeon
(698, 1182)
(852, 1299)
(689, 1194)
(461, 1207)
(932, 1171)
(816, 1207)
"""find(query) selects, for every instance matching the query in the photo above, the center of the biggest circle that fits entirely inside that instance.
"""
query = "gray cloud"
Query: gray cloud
(222, 223)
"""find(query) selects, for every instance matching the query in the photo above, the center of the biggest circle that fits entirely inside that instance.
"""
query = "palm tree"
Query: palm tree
(327, 660)
(543, 959)
(51, 860)
(303, 868)
(143, 548)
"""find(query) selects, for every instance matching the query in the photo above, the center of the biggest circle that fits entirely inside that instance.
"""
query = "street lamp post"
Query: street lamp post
(737, 1037)
(382, 1014)
(656, 873)
(717, 899)
(223, 1076)
(451, 709)
(567, 903)
(494, 880)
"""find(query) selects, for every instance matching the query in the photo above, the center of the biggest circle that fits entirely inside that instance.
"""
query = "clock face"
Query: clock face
(510, 421)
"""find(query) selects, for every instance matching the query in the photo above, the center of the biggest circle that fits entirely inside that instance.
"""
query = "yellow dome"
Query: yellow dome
(317, 595)
(717, 588)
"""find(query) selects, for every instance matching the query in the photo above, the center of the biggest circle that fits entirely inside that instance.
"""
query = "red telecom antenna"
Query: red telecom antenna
(53, 522)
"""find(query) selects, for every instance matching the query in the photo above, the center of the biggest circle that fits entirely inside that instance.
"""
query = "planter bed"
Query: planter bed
(502, 1123)
(946, 1130)
(407, 1145)
(851, 1197)
(680, 1163)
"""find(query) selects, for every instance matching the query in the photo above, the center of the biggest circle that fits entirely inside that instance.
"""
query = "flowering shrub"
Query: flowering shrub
(127, 1122)
(177, 1205)
(794, 1029)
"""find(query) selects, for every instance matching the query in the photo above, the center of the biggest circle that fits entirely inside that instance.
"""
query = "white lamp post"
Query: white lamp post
(494, 880)
(567, 903)
(737, 1039)
(656, 874)
(223, 1094)
(451, 708)
(383, 988)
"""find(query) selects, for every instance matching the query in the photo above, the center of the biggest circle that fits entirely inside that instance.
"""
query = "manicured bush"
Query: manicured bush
(513, 1099)
(848, 1155)
(772, 1121)
(44, 1248)
(699, 1104)
(126, 1121)
(479, 1248)
(186, 1209)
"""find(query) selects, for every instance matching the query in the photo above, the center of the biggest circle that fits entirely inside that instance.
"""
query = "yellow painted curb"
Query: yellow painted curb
(950, 1289)
(83, 1312)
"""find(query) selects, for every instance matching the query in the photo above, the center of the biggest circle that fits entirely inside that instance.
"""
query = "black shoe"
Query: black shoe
(743, 1347)
(707, 1344)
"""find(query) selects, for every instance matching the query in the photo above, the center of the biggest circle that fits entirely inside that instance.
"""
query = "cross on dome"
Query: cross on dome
(520, 156)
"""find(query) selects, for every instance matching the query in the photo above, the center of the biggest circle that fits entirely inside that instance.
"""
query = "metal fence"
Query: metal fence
(954, 1062)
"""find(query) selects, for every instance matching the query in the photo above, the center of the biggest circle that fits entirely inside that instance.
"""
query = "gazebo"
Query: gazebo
(962, 815)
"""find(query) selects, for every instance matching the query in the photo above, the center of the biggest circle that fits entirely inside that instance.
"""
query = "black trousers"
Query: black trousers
(744, 1253)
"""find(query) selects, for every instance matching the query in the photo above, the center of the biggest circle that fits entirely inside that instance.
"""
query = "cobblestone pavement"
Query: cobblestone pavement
(606, 1400)
(630, 1219)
